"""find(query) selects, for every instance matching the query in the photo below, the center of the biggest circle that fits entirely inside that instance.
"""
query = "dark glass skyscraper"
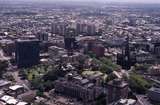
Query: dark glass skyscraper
(27, 53)
(124, 59)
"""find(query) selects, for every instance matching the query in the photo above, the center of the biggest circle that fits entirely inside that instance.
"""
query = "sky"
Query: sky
(137, 1)
(130, 1)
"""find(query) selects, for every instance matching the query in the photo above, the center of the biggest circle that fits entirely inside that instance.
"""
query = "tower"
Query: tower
(127, 60)
(27, 53)
(70, 41)
(124, 59)
(42, 36)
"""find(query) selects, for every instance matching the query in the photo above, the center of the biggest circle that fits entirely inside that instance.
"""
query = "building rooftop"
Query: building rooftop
(126, 102)
(22, 103)
(27, 40)
(2, 103)
(15, 87)
(5, 98)
(3, 83)
(84, 81)
(12, 101)
(157, 90)
(118, 83)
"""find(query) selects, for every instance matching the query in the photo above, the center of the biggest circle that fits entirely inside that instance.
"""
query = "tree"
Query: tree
(37, 83)
(48, 85)
(106, 65)
(138, 84)
(109, 63)
(39, 93)
(91, 54)
(142, 67)
(106, 69)
(101, 100)
(54, 74)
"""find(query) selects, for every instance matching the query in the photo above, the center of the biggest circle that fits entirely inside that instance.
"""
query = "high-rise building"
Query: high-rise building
(91, 29)
(88, 29)
(62, 28)
(70, 40)
(54, 29)
(27, 53)
(59, 28)
(124, 59)
(157, 49)
(42, 36)
(81, 28)
(69, 43)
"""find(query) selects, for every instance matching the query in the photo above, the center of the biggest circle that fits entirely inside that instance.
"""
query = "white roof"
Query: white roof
(15, 87)
(22, 103)
(127, 101)
(131, 101)
(2, 103)
(122, 101)
(12, 101)
(5, 98)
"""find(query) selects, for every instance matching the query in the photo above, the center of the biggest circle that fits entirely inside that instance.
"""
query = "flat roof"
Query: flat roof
(5, 98)
(155, 89)
(2, 103)
(22, 103)
(27, 40)
(12, 101)
(3, 83)
(15, 87)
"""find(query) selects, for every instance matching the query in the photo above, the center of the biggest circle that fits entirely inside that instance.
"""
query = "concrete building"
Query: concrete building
(78, 87)
(55, 53)
(91, 29)
(59, 28)
(154, 70)
(126, 102)
(144, 57)
(8, 47)
(73, 59)
(157, 49)
(86, 29)
(42, 36)
(98, 50)
(116, 90)
(154, 94)
(16, 90)
(4, 84)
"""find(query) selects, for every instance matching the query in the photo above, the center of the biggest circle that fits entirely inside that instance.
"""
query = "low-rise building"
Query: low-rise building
(9, 100)
(78, 87)
(154, 70)
(55, 53)
(126, 102)
(16, 90)
(154, 94)
(4, 84)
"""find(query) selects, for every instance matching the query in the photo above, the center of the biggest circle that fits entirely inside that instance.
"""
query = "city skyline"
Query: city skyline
(79, 52)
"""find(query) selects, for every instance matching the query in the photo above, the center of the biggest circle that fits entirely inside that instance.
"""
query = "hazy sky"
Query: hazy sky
(137, 1)
(141, 1)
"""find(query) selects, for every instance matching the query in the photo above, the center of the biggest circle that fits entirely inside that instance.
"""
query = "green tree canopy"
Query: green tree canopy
(138, 84)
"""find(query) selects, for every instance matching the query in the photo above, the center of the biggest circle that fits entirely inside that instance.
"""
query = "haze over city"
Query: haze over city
(118, 1)
(79, 52)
